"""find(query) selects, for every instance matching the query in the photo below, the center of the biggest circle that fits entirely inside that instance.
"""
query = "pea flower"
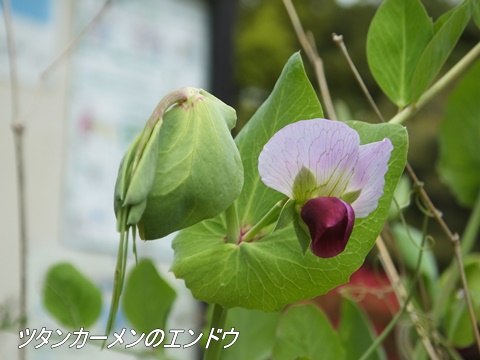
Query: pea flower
(321, 165)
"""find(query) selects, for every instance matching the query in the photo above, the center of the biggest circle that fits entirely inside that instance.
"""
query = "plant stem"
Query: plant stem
(18, 131)
(445, 80)
(233, 227)
(266, 220)
(402, 295)
(218, 322)
(315, 60)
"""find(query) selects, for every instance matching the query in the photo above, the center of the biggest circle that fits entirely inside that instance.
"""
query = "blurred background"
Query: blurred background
(89, 75)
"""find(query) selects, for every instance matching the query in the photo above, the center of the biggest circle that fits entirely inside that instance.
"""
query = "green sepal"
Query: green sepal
(351, 196)
(287, 215)
(143, 176)
(303, 236)
(135, 212)
(304, 185)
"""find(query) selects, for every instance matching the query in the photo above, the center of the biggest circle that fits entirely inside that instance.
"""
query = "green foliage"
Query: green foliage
(406, 51)
(198, 172)
(71, 298)
(459, 138)
(271, 272)
(147, 298)
(408, 240)
(257, 334)
(457, 321)
(402, 198)
(397, 37)
(356, 332)
(304, 332)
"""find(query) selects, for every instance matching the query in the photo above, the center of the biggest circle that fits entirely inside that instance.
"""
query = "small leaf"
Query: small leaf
(447, 32)
(356, 332)
(257, 334)
(304, 332)
(397, 37)
(71, 298)
(147, 298)
(459, 138)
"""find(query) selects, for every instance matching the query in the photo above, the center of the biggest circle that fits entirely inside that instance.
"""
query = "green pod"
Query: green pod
(198, 171)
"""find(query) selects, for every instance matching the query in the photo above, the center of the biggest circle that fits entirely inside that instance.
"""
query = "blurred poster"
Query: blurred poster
(35, 30)
(137, 52)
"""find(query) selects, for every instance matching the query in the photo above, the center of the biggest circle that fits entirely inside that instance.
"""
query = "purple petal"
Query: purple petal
(330, 221)
(329, 149)
(369, 176)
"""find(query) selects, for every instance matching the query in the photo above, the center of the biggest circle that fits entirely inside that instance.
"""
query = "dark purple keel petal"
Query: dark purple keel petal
(330, 221)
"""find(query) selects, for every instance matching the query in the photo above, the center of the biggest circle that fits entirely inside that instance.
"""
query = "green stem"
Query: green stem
(266, 220)
(233, 227)
(378, 341)
(218, 322)
(445, 80)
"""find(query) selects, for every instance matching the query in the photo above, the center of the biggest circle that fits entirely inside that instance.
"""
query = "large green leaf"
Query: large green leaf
(448, 29)
(271, 272)
(304, 332)
(292, 99)
(356, 332)
(459, 161)
(70, 297)
(397, 37)
(257, 334)
(147, 298)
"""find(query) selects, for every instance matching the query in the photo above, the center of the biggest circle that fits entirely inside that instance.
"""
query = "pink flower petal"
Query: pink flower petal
(330, 222)
(369, 176)
(329, 149)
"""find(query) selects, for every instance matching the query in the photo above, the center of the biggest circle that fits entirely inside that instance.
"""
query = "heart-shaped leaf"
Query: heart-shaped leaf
(271, 272)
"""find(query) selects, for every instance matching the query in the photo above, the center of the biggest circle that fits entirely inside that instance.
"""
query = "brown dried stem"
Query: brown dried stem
(308, 45)
(454, 239)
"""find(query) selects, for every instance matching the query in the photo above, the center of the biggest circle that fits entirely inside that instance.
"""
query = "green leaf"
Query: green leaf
(271, 272)
(409, 242)
(147, 298)
(71, 298)
(457, 320)
(398, 35)
(476, 14)
(305, 332)
(257, 334)
(198, 172)
(356, 332)
(459, 138)
(448, 29)
(292, 99)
